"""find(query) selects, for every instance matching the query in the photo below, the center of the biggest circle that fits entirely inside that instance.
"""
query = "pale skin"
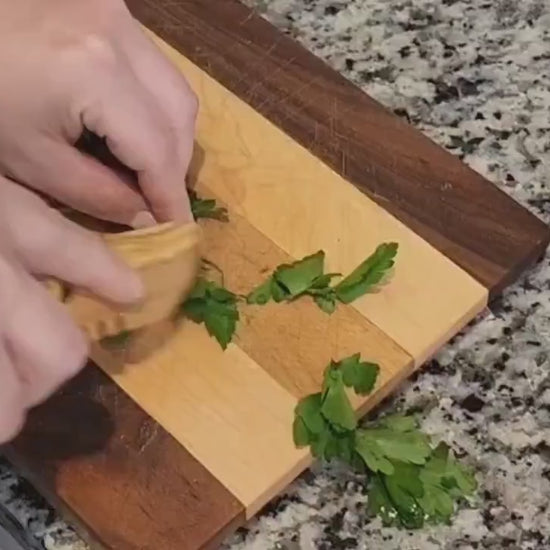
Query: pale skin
(67, 65)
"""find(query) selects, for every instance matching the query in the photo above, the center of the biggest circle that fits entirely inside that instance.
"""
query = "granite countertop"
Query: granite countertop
(473, 75)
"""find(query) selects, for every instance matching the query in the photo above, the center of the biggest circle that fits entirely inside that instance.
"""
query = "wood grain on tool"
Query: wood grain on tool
(455, 209)
(124, 481)
(167, 259)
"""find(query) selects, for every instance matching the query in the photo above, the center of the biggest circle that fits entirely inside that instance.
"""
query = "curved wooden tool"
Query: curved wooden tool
(166, 256)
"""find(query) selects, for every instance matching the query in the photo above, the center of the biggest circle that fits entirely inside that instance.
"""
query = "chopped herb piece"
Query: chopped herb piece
(118, 341)
(306, 277)
(367, 274)
(206, 208)
(214, 306)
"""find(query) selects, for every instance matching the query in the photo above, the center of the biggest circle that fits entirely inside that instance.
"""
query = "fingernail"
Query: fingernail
(143, 219)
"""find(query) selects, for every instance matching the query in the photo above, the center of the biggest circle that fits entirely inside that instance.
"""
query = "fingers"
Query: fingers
(39, 346)
(140, 135)
(45, 346)
(12, 398)
(83, 183)
(167, 86)
(46, 243)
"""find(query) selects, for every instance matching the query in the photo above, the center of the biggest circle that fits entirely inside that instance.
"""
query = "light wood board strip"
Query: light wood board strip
(221, 406)
(302, 205)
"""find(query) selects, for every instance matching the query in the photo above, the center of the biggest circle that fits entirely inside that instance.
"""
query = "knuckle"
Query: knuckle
(192, 103)
(99, 51)
(187, 109)
(90, 52)
(161, 149)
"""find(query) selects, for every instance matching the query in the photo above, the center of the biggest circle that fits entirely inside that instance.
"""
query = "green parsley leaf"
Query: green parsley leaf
(395, 498)
(278, 292)
(323, 281)
(407, 477)
(394, 438)
(359, 375)
(412, 493)
(444, 481)
(200, 289)
(221, 294)
(300, 433)
(319, 444)
(214, 306)
(298, 277)
(326, 420)
(326, 302)
(410, 482)
(328, 444)
(289, 281)
(206, 208)
(117, 342)
(409, 447)
(404, 489)
(307, 277)
(261, 294)
(452, 474)
(221, 322)
(437, 503)
(309, 410)
(337, 446)
(399, 423)
(322, 294)
(336, 407)
(367, 274)
(379, 503)
(374, 457)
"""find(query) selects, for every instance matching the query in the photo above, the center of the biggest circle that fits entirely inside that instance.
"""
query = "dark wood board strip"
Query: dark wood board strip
(459, 212)
(122, 479)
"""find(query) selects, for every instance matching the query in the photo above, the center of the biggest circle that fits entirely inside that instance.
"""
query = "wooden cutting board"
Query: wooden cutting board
(176, 450)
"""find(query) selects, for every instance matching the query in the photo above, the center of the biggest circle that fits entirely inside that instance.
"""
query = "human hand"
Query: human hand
(40, 347)
(67, 65)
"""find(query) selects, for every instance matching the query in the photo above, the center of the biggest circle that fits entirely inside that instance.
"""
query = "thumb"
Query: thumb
(83, 183)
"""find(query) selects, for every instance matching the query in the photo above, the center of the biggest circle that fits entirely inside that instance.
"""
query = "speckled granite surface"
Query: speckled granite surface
(473, 75)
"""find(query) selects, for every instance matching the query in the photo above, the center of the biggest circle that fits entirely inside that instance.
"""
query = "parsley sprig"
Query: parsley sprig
(117, 342)
(410, 482)
(206, 208)
(216, 307)
(307, 277)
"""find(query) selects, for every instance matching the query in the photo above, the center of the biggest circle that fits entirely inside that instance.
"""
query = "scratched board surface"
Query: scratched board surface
(303, 160)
